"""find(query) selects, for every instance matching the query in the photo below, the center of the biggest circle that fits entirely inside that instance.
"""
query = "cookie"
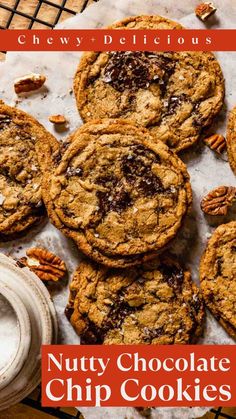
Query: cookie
(20, 176)
(231, 139)
(218, 276)
(118, 192)
(156, 303)
(174, 94)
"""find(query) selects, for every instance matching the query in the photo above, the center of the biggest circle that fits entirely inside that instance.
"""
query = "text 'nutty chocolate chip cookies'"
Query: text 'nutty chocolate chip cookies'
(156, 303)
(118, 193)
(174, 94)
(218, 276)
(20, 176)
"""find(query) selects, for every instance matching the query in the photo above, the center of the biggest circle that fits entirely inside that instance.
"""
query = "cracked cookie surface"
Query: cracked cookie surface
(218, 276)
(20, 176)
(156, 303)
(118, 193)
(175, 94)
(231, 139)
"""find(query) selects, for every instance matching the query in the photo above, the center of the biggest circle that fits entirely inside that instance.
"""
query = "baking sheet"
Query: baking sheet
(206, 169)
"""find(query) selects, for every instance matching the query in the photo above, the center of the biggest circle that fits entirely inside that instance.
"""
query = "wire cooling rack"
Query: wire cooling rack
(46, 14)
(41, 13)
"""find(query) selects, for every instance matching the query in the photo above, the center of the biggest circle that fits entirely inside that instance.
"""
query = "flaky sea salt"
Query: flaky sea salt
(9, 333)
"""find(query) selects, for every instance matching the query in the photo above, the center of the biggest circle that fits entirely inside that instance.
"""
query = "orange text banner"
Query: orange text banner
(138, 375)
(118, 40)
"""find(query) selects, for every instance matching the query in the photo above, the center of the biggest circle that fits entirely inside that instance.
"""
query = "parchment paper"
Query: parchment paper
(206, 169)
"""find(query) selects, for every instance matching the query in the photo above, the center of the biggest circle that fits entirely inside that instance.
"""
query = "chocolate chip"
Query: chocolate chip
(173, 275)
(126, 70)
(4, 121)
(196, 303)
(174, 102)
(150, 185)
(135, 70)
(211, 296)
(118, 313)
(219, 263)
(150, 334)
(132, 166)
(20, 263)
(138, 164)
(92, 335)
(68, 312)
(105, 180)
(113, 201)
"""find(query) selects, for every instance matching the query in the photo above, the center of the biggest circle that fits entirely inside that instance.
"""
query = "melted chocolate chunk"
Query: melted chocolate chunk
(173, 275)
(150, 185)
(140, 150)
(132, 166)
(211, 296)
(20, 262)
(95, 334)
(92, 335)
(104, 180)
(164, 62)
(219, 263)
(196, 304)
(138, 172)
(126, 70)
(150, 334)
(135, 70)
(118, 313)
(174, 102)
(113, 201)
(4, 121)
(68, 312)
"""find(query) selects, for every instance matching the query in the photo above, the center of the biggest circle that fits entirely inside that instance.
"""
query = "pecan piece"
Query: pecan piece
(57, 119)
(204, 10)
(218, 201)
(46, 265)
(29, 83)
(216, 142)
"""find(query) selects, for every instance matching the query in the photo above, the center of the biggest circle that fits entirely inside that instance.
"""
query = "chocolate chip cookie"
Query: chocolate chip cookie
(156, 303)
(118, 192)
(174, 94)
(20, 176)
(218, 276)
(231, 139)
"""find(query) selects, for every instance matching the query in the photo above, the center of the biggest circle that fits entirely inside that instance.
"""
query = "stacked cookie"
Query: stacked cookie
(121, 193)
(119, 190)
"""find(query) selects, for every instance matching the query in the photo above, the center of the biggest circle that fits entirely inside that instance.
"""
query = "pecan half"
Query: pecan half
(46, 265)
(218, 201)
(29, 83)
(216, 142)
(57, 119)
(204, 10)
